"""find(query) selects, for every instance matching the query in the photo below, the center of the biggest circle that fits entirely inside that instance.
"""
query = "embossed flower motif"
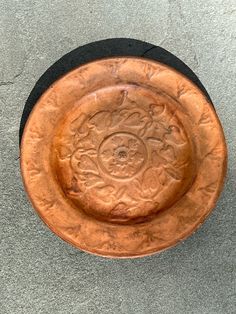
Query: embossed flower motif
(123, 158)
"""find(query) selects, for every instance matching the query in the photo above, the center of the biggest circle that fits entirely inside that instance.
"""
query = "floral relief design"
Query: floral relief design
(130, 157)
(122, 155)
(128, 142)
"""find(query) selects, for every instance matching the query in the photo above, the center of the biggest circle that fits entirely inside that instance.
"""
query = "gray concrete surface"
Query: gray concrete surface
(41, 274)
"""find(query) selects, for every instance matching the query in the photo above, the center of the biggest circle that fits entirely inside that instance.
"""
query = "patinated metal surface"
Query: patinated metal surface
(123, 157)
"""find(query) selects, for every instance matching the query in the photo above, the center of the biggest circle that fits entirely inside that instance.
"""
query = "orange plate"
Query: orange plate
(123, 157)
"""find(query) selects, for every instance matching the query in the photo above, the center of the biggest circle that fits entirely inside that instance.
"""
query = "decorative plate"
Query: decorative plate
(123, 157)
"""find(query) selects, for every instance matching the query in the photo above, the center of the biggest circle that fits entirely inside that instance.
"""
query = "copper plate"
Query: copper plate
(123, 157)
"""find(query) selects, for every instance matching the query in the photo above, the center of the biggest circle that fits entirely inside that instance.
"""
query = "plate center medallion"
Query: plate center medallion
(122, 155)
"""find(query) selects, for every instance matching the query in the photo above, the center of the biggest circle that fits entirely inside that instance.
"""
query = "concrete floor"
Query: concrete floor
(39, 273)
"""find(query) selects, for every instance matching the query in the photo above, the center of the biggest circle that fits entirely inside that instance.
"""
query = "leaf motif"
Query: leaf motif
(158, 130)
(77, 123)
(114, 67)
(33, 168)
(162, 177)
(74, 189)
(88, 142)
(124, 95)
(210, 188)
(137, 186)
(74, 185)
(215, 153)
(132, 104)
(156, 109)
(51, 103)
(36, 133)
(168, 153)
(174, 135)
(133, 120)
(47, 204)
(155, 141)
(86, 163)
(65, 152)
(145, 129)
(182, 89)
(83, 130)
(101, 120)
(157, 160)
(206, 191)
(105, 190)
(116, 118)
(120, 193)
(181, 164)
(149, 71)
(119, 210)
(173, 173)
(149, 179)
(91, 179)
(205, 118)
(88, 151)
(73, 231)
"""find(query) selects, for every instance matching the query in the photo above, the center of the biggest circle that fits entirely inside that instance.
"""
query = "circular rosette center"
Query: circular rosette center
(122, 155)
